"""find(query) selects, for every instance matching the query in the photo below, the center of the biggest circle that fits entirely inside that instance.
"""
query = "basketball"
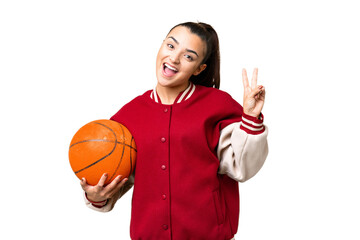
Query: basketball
(102, 146)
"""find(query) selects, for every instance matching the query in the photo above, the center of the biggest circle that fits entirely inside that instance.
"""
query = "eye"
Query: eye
(170, 46)
(188, 57)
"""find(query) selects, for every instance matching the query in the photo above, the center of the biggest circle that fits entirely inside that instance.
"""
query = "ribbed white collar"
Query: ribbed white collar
(183, 96)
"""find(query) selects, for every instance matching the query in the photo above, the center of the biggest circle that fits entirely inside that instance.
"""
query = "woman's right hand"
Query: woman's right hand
(99, 192)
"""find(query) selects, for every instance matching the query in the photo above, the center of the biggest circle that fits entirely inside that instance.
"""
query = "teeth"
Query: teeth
(166, 65)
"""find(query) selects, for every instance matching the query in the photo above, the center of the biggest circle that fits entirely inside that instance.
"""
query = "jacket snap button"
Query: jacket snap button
(165, 227)
(163, 167)
(166, 110)
(163, 196)
(163, 139)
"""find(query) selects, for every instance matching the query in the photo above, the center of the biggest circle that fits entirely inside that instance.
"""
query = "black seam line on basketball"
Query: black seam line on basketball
(122, 154)
(127, 145)
(102, 140)
(92, 164)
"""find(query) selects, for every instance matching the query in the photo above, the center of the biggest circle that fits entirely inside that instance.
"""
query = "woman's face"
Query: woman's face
(180, 56)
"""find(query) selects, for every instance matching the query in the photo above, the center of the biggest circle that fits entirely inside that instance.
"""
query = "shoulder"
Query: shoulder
(215, 95)
(131, 108)
(212, 92)
(139, 99)
(220, 107)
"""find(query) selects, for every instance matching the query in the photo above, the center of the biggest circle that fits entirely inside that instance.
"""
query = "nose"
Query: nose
(175, 57)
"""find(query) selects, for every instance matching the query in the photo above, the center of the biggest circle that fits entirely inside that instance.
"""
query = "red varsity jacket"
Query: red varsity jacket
(178, 193)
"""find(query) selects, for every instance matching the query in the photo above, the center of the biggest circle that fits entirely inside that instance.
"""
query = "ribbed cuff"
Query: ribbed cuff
(252, 125)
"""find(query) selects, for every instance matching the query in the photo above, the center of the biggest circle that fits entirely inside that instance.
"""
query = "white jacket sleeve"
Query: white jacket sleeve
(111, 202)
(243, 148)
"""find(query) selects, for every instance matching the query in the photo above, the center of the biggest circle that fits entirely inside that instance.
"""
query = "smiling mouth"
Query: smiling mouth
(168, 70)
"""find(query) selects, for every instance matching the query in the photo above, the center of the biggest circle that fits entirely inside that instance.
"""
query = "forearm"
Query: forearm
(242, 149)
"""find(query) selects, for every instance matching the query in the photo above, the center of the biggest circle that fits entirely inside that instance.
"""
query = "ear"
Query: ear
(199, 69)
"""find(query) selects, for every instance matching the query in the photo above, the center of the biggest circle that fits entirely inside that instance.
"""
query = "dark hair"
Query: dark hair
(210, 76)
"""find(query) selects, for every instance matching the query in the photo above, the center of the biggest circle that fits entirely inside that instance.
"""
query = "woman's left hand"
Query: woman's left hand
(254, 95)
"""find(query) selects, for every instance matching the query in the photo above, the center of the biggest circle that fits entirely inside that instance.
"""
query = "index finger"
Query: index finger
(245, 78)
(114, 183)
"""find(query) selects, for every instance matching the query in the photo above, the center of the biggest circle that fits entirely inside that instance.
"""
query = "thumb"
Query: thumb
(83, 184)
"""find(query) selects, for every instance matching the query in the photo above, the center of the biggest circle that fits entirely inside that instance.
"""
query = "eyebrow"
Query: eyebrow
(189, 50)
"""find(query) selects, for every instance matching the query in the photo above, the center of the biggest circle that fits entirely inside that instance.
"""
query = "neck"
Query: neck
(169, 94)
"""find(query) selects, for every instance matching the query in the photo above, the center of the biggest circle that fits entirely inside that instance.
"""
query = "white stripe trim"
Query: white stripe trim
(184, 93)
(155, 96)
(251, 122)
(191, 93)
(251, 128)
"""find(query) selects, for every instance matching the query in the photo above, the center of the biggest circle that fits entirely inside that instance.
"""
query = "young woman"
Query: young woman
(194, 142)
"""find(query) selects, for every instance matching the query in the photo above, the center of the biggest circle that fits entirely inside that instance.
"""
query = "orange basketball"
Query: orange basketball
(102, 146)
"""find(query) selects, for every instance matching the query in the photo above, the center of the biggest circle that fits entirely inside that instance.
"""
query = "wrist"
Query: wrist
(252, 115)
(98, 204)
